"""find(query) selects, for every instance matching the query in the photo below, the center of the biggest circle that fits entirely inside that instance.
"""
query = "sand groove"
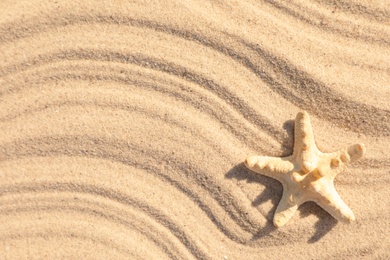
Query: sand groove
(124, 126)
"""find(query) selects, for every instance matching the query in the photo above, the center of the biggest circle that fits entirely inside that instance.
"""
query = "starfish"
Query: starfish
(307, 174)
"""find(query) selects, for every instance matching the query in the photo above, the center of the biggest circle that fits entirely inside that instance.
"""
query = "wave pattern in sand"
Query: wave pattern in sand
(123, 126)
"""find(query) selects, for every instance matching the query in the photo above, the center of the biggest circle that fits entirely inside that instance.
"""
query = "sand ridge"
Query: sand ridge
(124, 126)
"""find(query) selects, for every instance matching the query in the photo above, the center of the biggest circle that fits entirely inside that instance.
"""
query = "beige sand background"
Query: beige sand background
(124, 125)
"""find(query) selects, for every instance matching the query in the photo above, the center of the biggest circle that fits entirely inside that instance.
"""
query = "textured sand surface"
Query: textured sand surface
(124, 125)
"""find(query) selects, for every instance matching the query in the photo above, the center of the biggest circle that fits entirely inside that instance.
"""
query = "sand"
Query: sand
(124, 126)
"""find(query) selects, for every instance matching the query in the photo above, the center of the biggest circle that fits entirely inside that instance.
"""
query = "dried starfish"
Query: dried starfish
(307, 174)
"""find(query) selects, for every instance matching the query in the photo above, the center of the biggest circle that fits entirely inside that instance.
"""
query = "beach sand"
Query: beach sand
(124, 126)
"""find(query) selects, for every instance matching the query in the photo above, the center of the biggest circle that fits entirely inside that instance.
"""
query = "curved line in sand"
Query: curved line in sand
(320, 21)
(305, 101)
(289, 81)
(108, 149)
(106, 193)
(230, 122)
(48, 234)
(300, 80)
(38, 25)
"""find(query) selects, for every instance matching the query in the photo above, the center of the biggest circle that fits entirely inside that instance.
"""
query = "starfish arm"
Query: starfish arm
(303, 134)
(335, 206)
(285, 210)
(350, 154)
(274, 167)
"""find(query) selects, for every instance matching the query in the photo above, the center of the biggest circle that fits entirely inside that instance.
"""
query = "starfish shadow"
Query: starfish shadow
(273, 192)
(325, 221)
(288, 143)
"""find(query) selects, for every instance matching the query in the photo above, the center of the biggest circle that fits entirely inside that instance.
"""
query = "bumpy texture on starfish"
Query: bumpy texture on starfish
(307, 174)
